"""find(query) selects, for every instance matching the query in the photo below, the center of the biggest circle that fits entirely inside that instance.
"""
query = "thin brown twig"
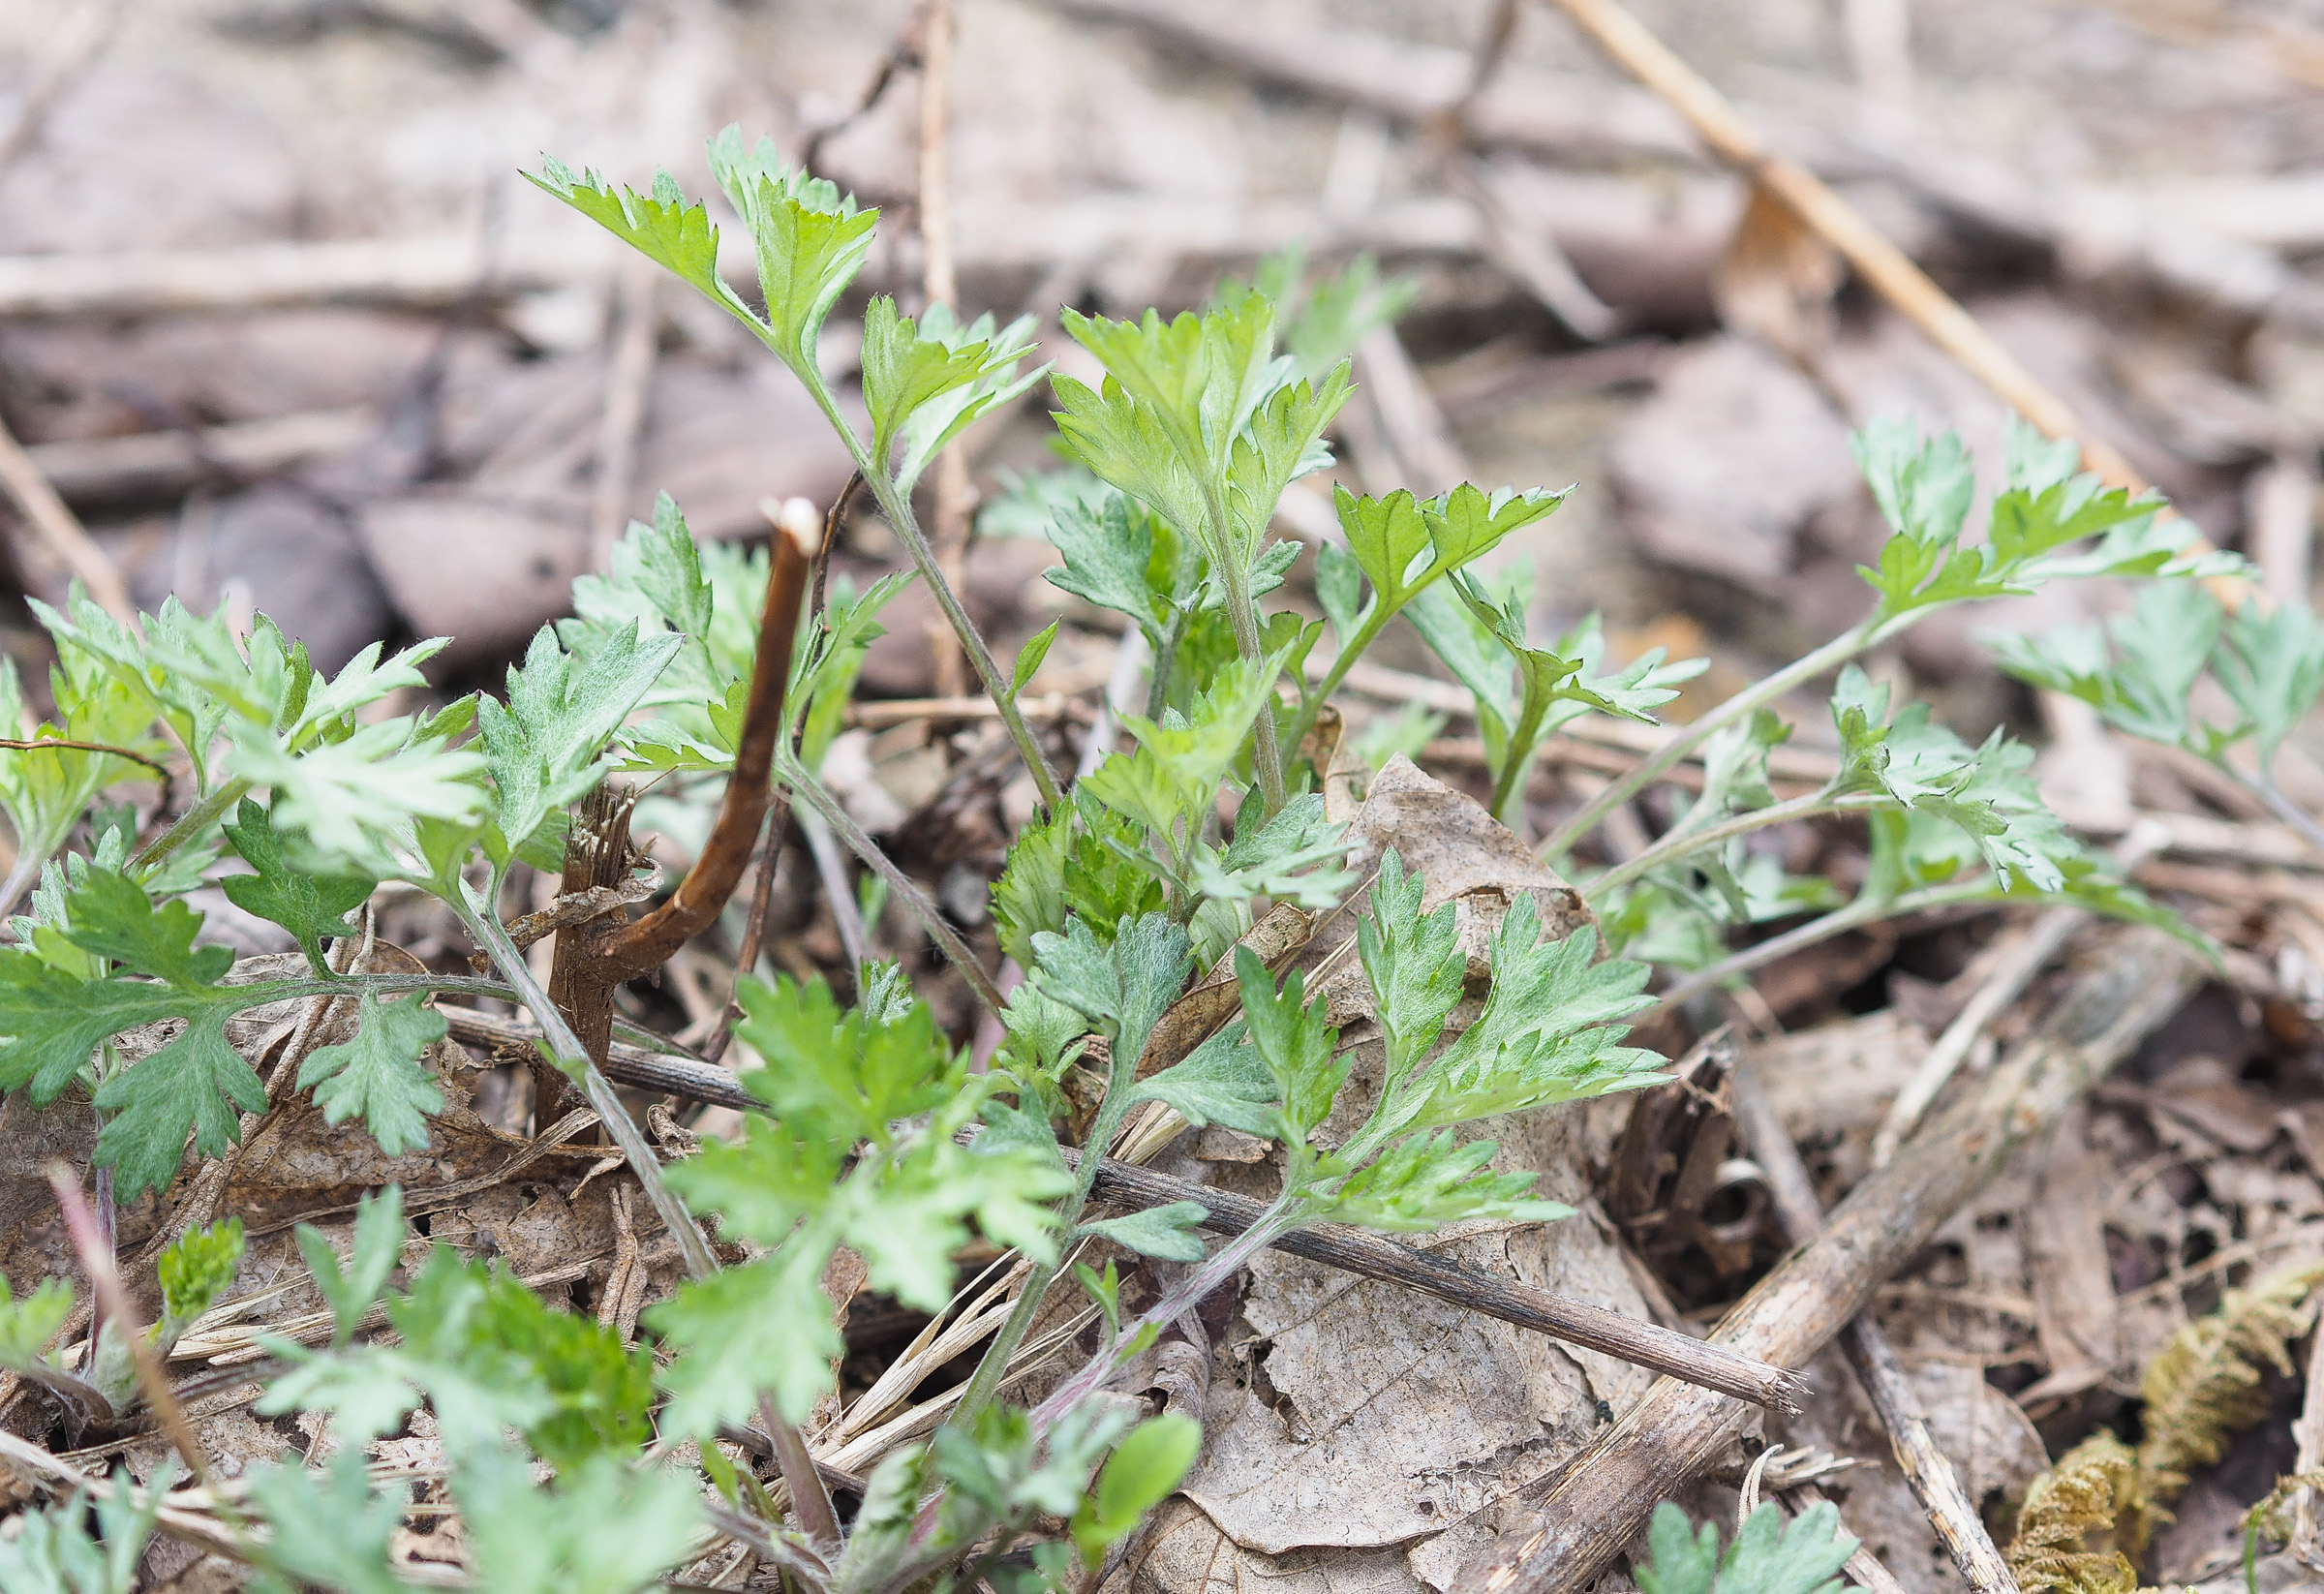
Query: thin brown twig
(902, 56)
(1369, 1256)
(75, 55)
(628, 376)
(647, 943)
(104, 1283)
(1374, 1256)
(19, 744)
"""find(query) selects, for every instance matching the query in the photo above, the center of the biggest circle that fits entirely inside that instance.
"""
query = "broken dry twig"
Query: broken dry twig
(1932, 1478)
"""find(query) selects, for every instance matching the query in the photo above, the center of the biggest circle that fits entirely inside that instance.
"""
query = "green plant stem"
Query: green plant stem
(190, 825)
(1831, 656)
(984, 1381)
(819, 1516)
(812, 792)
(899, 510)
(808, 1495)
(1524, 743)
(570, 1056)
(1165, 659)
(1190, 1292)
(1682, 844)
(26, 869)
(1857, 914)
(1266, 756)
(1312, 705)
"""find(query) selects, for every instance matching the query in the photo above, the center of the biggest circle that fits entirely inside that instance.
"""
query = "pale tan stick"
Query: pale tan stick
(1661, 1445)
(60, 532)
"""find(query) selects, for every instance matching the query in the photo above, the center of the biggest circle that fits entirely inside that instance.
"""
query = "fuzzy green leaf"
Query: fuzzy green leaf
(195, 1270)
(331, 1528)
(811, 239)
(544, 748)
(1150, 1462)
(1171, 1233)
(378, 1245)
(29, 1323)
(311, 906)
(1768, 1557)
(52, 1551)
(379, 1075)
(603, 1527)
(192, 1084)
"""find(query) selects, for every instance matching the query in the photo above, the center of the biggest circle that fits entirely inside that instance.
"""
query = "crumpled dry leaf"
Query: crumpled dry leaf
(1361, 1436)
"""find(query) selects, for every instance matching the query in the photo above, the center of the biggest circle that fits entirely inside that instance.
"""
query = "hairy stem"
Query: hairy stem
(812, 792)
(1684, 844)
(1831, 656)
(899, 510)
(572, 1057)
(188, 825)
(1266, 757)
(809, 1497)
(1350, 652)
(985, 1383)
(21, 877)
(1191, 1291)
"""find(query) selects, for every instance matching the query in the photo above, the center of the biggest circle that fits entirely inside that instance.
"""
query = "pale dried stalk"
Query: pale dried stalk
(2003, 985)
(942, 287)
(628, 376)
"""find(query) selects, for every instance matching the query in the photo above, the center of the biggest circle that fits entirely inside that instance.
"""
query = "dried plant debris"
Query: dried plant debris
(2070, 1523)
(2207, 1384)
(2085, 1524)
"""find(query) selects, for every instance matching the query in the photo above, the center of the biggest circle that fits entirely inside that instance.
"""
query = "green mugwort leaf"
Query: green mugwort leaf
(194, 1084)
(1171, 1233)
(1151, 1461)
(28, 1323)
(310, 905)
(379, 1073)
(1029, 659)
(602, 1527)
(331, 1529)
(378, 1245)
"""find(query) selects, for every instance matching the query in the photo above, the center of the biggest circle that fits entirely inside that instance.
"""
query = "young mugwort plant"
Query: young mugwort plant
(711, 671)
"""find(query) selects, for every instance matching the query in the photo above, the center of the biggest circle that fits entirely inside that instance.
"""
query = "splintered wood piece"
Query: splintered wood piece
(1926, 1468)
